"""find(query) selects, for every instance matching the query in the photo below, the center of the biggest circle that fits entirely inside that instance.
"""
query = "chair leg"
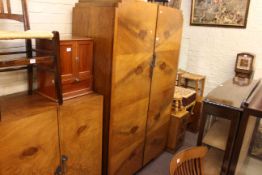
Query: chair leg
(30, 75)
(57, 77)
(30, 79)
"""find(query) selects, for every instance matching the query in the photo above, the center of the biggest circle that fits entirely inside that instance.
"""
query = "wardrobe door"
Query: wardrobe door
(168, 37)
(81, 126)
(135, 24)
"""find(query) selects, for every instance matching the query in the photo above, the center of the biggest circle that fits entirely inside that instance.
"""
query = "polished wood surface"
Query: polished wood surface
(188, 162)
(127, 43)
(20, 105)
(231, 94)
(177, 129)
(80, 122)
(134, 43)
(28, 139)
(167, 46)
(85, 23)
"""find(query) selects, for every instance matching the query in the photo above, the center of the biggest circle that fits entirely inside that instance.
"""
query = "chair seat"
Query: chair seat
(10, 35)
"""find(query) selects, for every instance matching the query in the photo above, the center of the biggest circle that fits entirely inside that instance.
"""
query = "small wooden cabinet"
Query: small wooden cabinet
(177, 130)
(76, 68)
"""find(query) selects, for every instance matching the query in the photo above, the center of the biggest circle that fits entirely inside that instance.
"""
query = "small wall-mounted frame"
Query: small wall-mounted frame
(220, 13)
(244, 64)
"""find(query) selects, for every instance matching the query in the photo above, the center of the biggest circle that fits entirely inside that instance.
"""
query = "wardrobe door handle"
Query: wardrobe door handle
(64, 160)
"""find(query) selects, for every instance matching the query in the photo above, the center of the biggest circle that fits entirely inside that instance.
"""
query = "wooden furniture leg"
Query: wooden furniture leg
(57, 77)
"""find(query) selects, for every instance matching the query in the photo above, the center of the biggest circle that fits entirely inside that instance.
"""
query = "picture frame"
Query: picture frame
(219, 13)
(244, 63)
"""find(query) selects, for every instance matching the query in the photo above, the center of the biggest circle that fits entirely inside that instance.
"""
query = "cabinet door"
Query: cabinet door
(81, 134)
(84, 60)
(168, 37)
(30, 145)
(67, 61)
(133, 49)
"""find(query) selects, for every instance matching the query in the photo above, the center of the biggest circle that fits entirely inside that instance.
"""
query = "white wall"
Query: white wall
(212, 51)
(45, 15)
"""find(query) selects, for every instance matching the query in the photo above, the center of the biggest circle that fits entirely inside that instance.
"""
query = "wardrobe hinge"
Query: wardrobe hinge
(152, 65)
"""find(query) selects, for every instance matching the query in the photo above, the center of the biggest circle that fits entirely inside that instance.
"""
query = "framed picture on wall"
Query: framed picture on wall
(220, 13)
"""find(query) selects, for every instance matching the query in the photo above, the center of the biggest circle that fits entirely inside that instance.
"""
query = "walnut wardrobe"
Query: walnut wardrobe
(136, 49)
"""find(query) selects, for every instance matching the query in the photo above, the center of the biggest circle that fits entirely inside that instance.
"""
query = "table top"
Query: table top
(231, 94)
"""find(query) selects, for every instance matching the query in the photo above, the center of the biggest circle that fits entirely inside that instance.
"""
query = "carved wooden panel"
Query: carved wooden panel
(168, 37)
(81, 134)
(133, 49)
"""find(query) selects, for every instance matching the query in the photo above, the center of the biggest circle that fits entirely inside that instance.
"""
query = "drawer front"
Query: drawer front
(76, 88)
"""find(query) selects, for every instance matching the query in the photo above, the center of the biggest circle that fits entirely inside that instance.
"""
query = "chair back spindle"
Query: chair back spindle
(8, 4)
(188, 162)
(7, 14)
(2, 8)
(8, 7)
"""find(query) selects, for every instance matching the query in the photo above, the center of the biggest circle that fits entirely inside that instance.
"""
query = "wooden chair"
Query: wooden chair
(188, 162)
(45, 59)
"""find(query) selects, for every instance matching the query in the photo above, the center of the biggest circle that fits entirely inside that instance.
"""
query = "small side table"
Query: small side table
(177, 130)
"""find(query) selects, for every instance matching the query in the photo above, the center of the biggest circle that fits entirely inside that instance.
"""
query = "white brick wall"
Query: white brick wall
(45, 15)
(212, 50)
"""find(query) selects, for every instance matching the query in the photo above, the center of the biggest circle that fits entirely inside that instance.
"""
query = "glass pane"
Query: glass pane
(250, 158)
(215, 137)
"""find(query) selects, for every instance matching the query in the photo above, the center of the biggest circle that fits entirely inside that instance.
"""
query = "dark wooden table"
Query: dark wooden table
(252, 109)
(223, 106)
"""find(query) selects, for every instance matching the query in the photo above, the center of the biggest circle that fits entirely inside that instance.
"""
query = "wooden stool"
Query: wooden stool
(196, 78)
